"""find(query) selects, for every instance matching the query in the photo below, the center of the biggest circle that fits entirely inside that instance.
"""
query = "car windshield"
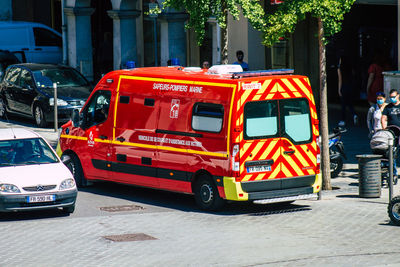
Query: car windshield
(63, 77)
(19, 152)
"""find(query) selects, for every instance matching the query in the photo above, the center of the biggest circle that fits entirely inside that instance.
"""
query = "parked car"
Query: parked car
(27, 90)
(32, 176)
(39, 43)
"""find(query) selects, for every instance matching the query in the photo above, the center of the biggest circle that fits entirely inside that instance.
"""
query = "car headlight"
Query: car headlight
(67, 184)
(9, 188)
(60, 102)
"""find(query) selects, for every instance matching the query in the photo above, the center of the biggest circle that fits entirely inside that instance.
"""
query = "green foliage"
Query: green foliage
(288, 14)
(201, 10)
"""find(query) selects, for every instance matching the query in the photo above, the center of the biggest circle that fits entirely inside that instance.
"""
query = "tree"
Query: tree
(330, 14)
(201, 10)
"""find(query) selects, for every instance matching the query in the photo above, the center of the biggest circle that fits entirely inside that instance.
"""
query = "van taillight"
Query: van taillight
(235, 160)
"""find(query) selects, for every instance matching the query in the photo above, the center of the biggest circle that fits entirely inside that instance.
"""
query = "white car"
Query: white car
(32, 176)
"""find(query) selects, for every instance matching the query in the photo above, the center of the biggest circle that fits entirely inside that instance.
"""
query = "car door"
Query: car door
(24, 92)
(48, 46)
(10, 86)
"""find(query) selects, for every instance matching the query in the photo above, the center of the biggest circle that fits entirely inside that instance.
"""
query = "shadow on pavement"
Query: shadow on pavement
(183, 202)
(32, 215)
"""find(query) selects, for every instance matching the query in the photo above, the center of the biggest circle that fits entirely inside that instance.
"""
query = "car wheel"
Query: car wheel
(75, 167)
(206, 194)
(39, 116)
(69, 209)
(3, 110)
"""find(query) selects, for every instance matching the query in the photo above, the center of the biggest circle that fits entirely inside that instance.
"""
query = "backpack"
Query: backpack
(380, 140)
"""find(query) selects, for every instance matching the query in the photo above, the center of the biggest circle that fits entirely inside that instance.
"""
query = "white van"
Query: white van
(34, 42)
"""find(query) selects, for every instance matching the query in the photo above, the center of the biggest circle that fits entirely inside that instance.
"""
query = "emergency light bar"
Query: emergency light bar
(257, 73)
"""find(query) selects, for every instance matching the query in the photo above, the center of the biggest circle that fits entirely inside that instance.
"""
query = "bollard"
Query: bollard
(369, 175)
(55, 107)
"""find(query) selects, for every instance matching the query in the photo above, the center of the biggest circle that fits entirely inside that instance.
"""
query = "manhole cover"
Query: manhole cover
(129, 237)
(121, 208)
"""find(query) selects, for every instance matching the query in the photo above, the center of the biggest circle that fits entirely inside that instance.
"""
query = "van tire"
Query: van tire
(75, 167)
(39, 117)
(206, 194)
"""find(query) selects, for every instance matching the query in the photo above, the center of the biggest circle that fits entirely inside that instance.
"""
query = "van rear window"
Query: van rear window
(207, 117)
(288, 118)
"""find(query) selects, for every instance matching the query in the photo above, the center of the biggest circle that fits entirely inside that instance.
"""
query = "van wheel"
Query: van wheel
(3, 109)
(75, 167)
(39, 116)
(206, 194)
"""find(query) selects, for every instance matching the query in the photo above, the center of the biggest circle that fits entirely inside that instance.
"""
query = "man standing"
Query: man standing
(391, 113)
(240, 55)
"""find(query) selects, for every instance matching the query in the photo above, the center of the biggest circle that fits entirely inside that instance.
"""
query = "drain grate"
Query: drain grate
(129, 237)
(121, 208)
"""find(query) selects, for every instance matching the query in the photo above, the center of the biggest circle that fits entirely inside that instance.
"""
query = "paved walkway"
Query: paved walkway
(340, 230)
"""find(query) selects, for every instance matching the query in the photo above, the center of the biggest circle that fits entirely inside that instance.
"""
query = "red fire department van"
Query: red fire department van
(241, 136)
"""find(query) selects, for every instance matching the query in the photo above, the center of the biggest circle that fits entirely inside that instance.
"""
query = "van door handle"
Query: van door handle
(289, 152)
(121, 139)
(103, 137)
(38, 49)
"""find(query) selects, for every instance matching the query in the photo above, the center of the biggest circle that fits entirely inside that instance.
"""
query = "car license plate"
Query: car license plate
(42, 198)
(259, 168)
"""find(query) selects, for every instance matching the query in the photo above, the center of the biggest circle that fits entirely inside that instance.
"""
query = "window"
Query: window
(96, 111)
(296, 119)
(261, 119)
(44, 37)
(63, 77)
(207, 117)
(25, 152)
(13, 75)
(288, 118)
(25, 79)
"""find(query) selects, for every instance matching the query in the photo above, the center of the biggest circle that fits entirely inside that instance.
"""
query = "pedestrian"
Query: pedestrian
(206, 65)
(391, 117)
(375, 77)
(240, 56)
(345, 73)
(374, 115)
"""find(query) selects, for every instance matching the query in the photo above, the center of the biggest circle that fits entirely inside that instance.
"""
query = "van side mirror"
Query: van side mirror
(75, 118)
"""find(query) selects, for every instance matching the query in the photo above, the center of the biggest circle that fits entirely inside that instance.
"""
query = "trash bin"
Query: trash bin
(369, 175)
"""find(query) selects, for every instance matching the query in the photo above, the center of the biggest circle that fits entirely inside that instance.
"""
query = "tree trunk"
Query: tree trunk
(224, 35)
(324, 131)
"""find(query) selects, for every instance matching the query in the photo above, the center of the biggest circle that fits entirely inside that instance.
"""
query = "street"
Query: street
(119, 225)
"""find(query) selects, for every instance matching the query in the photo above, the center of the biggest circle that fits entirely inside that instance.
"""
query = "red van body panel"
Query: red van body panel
(165, 127)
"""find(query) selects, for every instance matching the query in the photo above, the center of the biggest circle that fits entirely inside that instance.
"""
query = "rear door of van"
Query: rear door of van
(278, 140)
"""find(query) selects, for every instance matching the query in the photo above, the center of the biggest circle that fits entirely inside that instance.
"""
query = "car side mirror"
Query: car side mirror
(75, 118)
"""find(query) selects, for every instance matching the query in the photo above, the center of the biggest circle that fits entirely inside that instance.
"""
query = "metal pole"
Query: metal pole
(64, 33)
(155, 42)
(55, 107)
(390, 182)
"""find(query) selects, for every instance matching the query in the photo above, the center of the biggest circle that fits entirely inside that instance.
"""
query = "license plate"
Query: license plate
(259, 168)
(42, 198)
